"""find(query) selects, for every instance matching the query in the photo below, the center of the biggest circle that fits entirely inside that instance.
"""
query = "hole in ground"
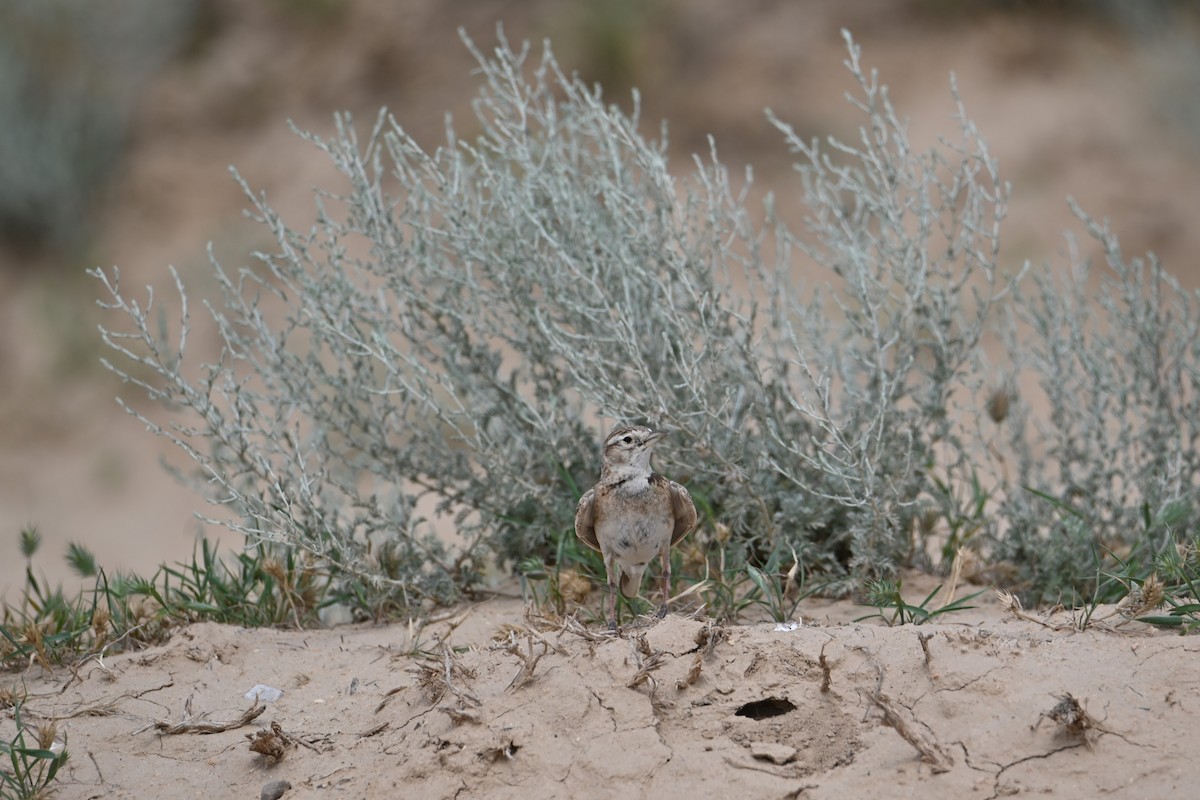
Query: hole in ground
(764, 709)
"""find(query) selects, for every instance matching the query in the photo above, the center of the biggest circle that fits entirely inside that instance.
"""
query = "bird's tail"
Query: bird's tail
(631, 580)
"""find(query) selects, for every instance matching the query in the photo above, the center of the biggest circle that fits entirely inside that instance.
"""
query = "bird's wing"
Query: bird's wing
(684, 510)
(585, 519)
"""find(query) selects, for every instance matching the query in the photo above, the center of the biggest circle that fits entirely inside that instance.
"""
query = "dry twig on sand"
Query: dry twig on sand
(529, 660)
(706, 641)
(187, 725)
(538, 625)
(460, 715)
(648, 660)
(1012, 604)
(912, 730)
(573, 626)
(447, 677)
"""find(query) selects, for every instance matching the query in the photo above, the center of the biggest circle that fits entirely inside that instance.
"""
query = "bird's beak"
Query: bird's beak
(654, 438)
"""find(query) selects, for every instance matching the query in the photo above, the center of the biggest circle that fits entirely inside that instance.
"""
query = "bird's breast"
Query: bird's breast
(633, 524)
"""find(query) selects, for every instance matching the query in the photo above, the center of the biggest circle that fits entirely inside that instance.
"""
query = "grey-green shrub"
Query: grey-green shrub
(458, 322)
(1113, 469)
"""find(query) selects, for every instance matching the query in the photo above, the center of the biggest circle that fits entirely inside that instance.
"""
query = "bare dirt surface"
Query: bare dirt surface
(499, 704)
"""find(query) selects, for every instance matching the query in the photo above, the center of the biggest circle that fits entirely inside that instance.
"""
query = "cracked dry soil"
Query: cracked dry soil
(678, 708)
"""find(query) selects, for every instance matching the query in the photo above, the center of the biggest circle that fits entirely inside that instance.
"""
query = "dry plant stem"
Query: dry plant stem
(96, 764)
(1012, 604)
(648, 660)
(782, 772)
(693, 673)
(375, 730)
(911, 730)
(449, 668)
(573, 626)
(924, 640)
(706, 641)
(529, 660)
(387, 698)
(534, 628)
(955, 576)
(460, 715)
(109, 706)
(187, 726)
(440, 676)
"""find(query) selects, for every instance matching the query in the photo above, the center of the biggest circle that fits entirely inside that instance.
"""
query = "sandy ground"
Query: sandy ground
(498, 704)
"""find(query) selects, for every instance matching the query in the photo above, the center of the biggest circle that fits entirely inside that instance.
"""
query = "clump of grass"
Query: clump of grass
(1177, 572)
(779, 593)
(734, 591)
(886, 596)
(262, 586)
(30, 761)
(1165, 590)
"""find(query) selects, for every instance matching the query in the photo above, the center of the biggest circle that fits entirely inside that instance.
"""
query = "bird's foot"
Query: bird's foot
(612, 625)
(662, 611)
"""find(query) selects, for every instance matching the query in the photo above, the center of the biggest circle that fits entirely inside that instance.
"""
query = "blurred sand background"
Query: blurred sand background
(1100, 101)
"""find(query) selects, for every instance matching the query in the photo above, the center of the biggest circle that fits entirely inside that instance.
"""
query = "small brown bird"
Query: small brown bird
(633, 514)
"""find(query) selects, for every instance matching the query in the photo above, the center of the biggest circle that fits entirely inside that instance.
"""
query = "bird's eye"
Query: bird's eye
(627, 439)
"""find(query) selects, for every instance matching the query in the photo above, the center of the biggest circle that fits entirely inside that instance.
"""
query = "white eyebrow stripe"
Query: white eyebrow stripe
(617, 435)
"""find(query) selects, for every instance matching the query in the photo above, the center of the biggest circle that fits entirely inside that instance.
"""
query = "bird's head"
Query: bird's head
(627, 451)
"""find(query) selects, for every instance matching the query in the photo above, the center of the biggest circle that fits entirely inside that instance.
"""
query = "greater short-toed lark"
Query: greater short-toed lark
(633, 514)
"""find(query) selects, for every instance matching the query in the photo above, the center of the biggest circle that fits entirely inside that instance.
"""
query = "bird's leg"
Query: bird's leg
(666, 581)
(612, 571)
